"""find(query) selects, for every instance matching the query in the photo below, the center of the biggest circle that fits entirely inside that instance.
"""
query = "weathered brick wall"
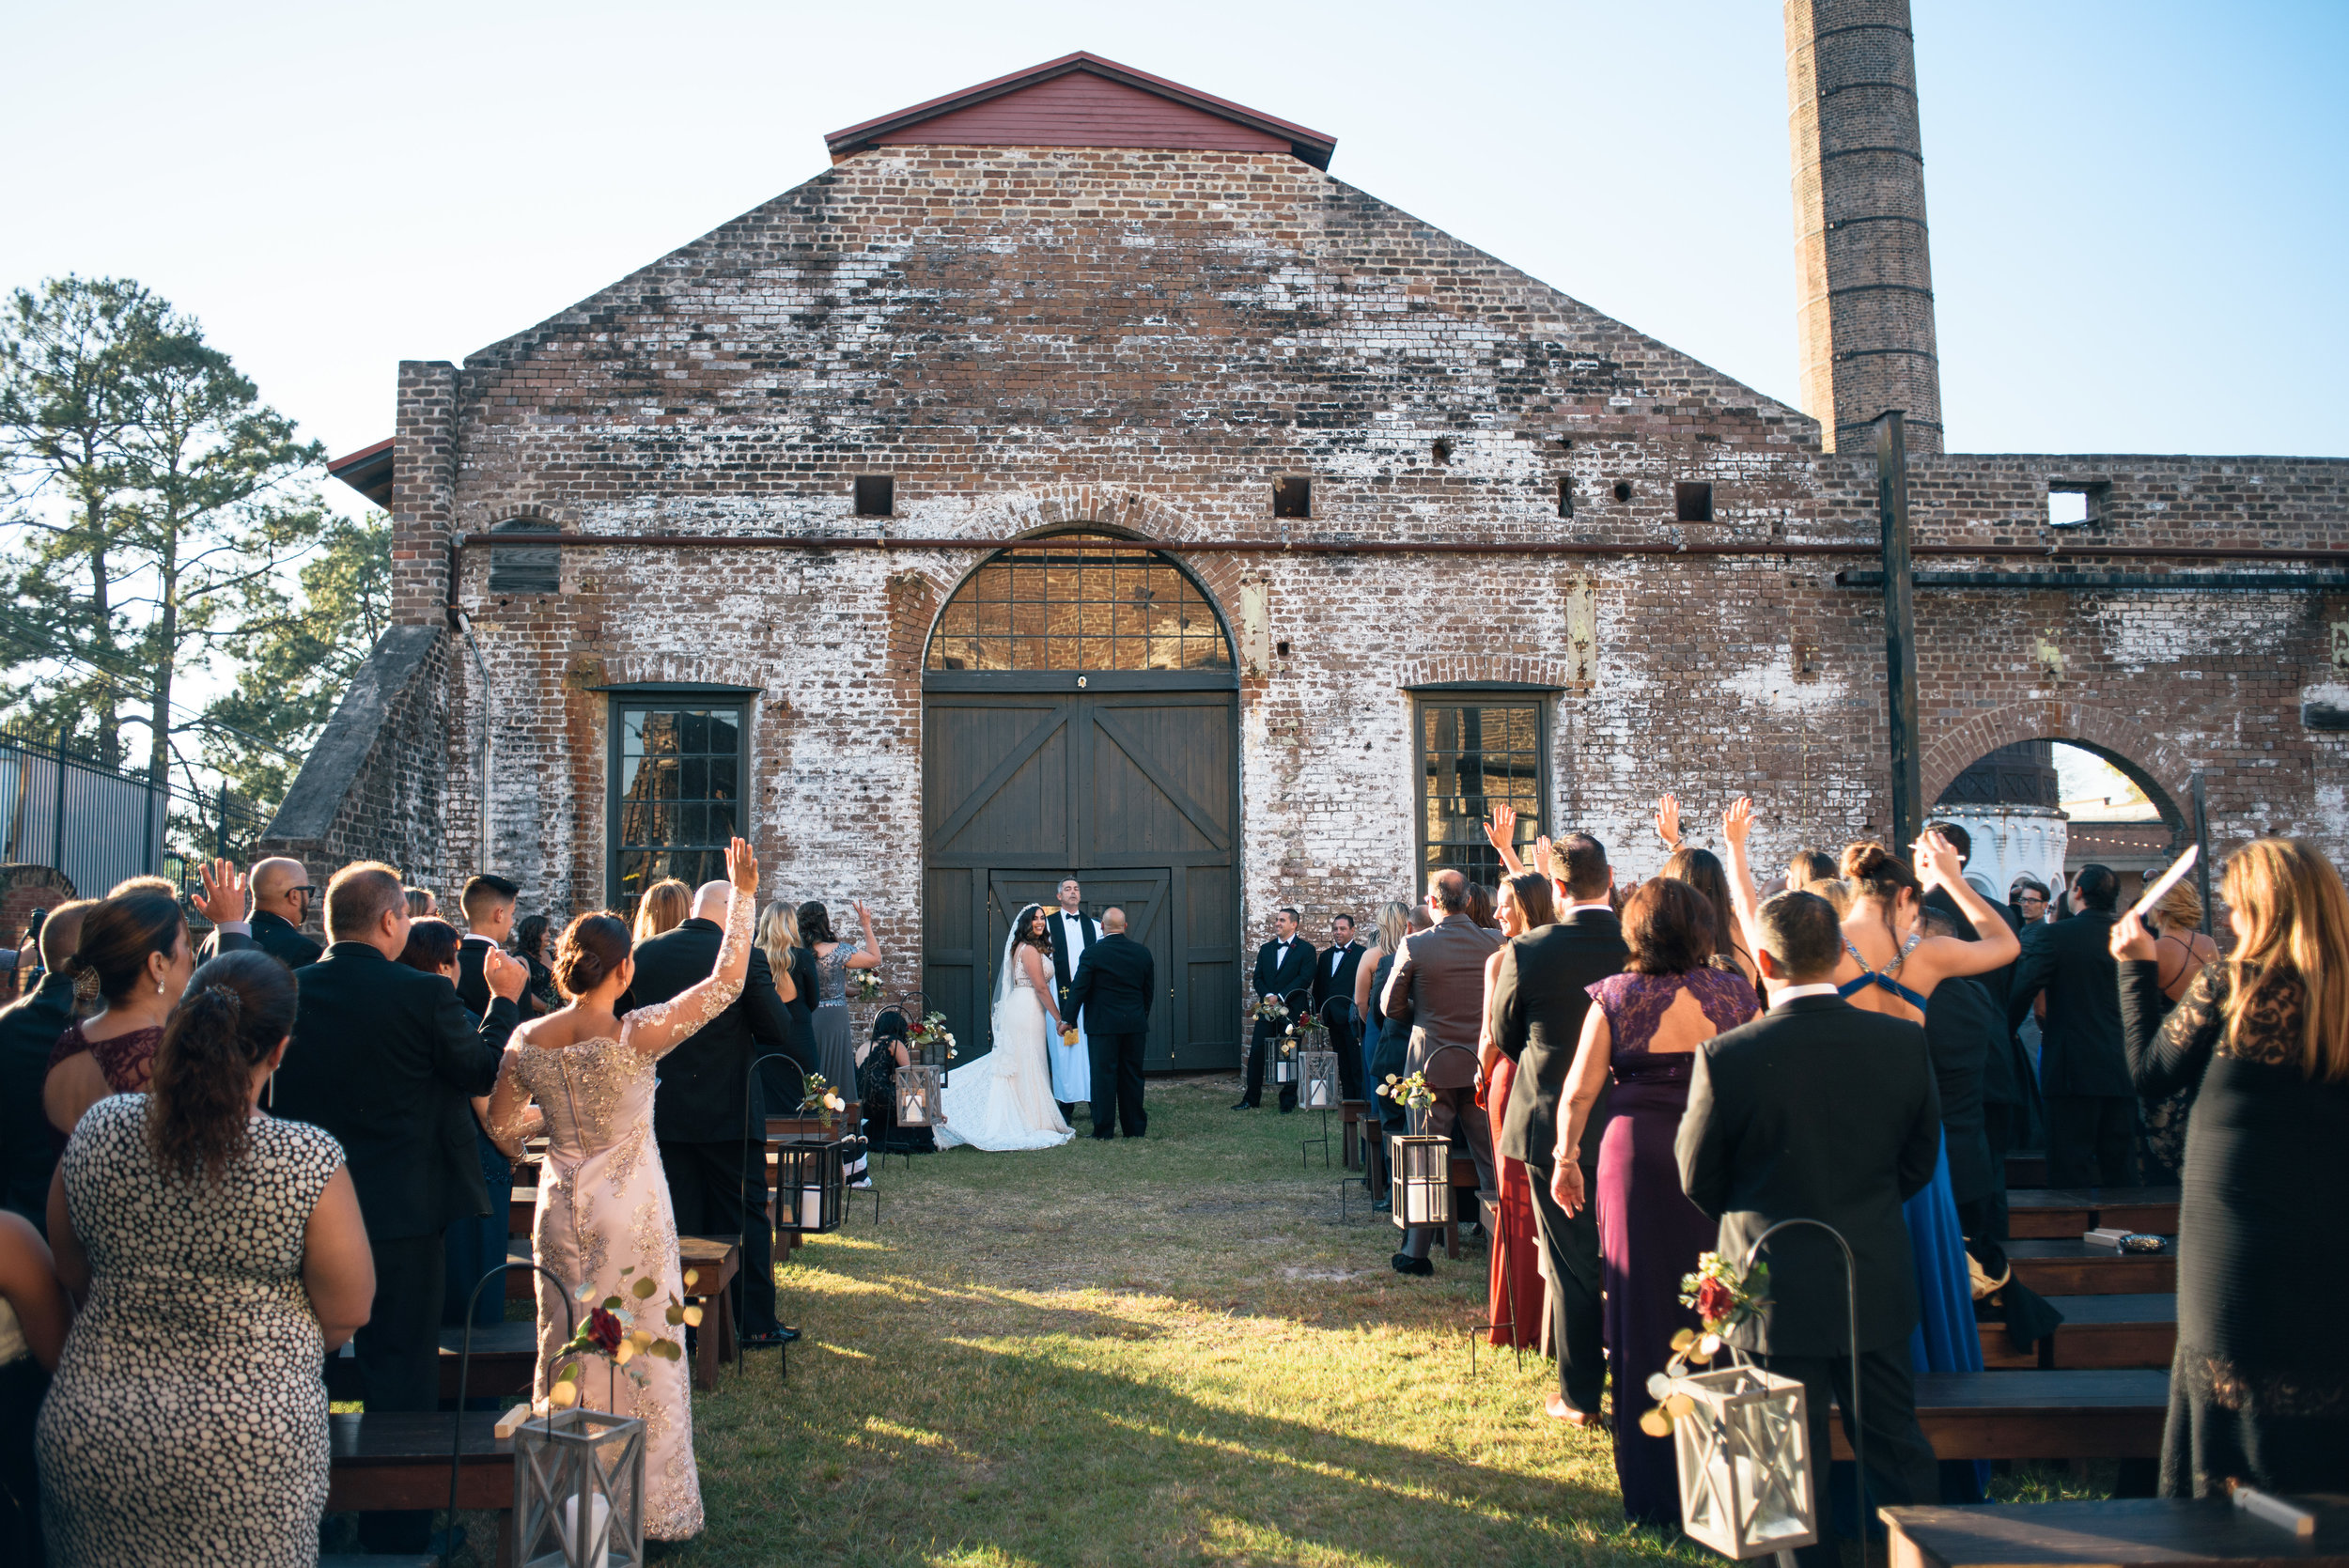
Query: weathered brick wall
(1025, 337)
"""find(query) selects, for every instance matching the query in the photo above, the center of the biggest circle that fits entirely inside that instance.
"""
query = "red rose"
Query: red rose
(604, 1330)
(1715, 1300)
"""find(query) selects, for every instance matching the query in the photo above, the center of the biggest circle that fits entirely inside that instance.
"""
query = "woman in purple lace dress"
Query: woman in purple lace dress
(1644, 1033)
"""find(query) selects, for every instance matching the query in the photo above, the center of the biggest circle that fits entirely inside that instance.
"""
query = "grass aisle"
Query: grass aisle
(1164, 1352)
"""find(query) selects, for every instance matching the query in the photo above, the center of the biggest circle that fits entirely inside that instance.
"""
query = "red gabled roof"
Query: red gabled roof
(1082, 99)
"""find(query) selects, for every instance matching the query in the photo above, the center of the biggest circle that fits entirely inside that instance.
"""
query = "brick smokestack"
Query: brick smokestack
(1864, 273)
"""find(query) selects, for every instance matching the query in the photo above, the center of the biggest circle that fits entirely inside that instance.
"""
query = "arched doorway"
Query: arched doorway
(1080, 710)
(2043, 808)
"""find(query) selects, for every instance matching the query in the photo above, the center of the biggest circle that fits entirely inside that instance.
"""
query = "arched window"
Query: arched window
(1078, 601)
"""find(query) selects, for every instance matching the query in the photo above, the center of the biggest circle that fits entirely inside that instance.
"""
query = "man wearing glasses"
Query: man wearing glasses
(281, 895)
(2031, 902)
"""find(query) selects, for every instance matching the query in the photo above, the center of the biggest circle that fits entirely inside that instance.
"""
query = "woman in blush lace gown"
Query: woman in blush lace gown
(1003, 1100)
(604, 1202)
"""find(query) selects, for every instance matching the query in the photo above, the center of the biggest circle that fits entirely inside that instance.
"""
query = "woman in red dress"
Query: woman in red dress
(1525, 903)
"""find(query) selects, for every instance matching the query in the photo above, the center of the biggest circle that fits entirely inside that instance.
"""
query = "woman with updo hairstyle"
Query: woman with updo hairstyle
(1889, 964)
(219, 1255)
(134, 958)
(593, 949)
(1643, 1034)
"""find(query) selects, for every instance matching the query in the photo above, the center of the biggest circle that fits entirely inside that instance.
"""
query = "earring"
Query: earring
(159, 987)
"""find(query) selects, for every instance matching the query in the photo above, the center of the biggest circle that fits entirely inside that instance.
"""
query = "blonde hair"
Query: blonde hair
(2291, 925)
(664, 908)
(1394, 924)
(778, 933)
(1841, 892)
(2181, 908)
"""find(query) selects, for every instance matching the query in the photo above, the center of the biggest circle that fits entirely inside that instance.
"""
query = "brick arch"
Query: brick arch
(480, 517)
(695, 668)
(1500, 668)
(2155, 765)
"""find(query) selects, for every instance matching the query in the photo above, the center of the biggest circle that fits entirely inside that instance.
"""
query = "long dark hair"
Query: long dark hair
(117, 933)
(238, 1009)
(1022, 931)
(1702, 870)
(528, 938)
(815, 924)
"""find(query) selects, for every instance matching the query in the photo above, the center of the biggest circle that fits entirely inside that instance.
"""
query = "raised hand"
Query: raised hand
(1737, 822)
(1542, 853)
(864, 915)
(1668, 819)
(504, 974)
(742, 868)
(1937, 861)
(1501, 831)
(223, 898)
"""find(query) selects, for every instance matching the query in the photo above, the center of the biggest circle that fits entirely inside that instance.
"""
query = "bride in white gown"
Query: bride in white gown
(1005, 1099)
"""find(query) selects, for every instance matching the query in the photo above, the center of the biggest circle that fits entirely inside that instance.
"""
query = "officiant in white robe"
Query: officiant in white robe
(1073, 931)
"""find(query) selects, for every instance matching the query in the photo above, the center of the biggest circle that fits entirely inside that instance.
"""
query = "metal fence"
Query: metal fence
(99, 823)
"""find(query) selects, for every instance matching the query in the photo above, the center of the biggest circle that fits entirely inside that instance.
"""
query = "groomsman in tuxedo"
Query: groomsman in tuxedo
(1538, 1007)
(1818, 1109)
(1073, 932)
(281, 893)
(1285, 969)
(386, 1059)
(1334, 970)
(488, 904)
(1111, 1003)
(708, 1118)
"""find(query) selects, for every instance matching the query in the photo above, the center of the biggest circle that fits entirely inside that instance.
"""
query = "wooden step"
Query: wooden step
(2038, 1415)
(504, 1359)
(2122, 1533)
(400, 1459)
(2056, 1213)
(2097, 1331)
(2026, 1168)
(2075, 1268)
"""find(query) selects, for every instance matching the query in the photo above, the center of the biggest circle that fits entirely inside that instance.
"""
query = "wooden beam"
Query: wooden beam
(1900, 633)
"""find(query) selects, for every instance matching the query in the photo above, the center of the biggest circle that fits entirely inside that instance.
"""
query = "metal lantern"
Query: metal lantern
(1283, 1049)
(810, 1188)
(1745, 1463)
(1421, 1184)
(921, 1096)
(578, 1491)
(1319, 1091)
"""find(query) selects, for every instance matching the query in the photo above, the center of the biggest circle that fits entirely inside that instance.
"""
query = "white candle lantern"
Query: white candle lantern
(809, 1181)
(1422, 1187)
(1745, 1463)
(1319, 1089)
(578, 1491)
(921, 1096)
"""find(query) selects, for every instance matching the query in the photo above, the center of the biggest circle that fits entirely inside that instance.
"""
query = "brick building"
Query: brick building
(1077, 475)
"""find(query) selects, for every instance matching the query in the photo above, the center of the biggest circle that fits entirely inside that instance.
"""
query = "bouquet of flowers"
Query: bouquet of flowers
(864, 985)
(821, 1098)
(929, 1032)
(1723, 1298)
(1271, 1009)
(611, 1331)
(1412, 1094)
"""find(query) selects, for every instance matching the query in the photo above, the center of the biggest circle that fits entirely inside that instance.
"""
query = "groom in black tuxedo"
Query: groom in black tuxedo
(1822, 1110)
(1334, 969)
(1111, 999)
(1285, 969)
(1073, 932)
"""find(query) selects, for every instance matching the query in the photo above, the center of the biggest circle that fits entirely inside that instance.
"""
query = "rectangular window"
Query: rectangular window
(677, 769)
(1692, 500)
(1293, 496)
(1478, 751)
(1565, 496)
(2081, 506)
(876, 495)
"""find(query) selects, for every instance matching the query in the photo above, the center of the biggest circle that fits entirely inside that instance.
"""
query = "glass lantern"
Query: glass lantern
(1283, 1049)
(810, 1188)
(1420, 1167)
(1319, 1091)
(1745, 1463)
(921, 1092)
(578, 1491)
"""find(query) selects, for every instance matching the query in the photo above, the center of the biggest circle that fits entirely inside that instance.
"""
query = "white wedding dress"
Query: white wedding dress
(1003, 1100)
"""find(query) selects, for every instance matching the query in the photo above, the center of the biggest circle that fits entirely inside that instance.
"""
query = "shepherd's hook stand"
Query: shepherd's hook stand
(465, 1368)
(1859, 1431)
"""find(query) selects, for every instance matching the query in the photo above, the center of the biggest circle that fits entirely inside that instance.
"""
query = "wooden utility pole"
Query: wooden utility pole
(1900, 633)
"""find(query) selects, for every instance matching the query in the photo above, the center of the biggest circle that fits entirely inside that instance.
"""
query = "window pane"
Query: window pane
(721, 779)
(694, 779)
(692, 824)
(632, 734)
(1077, 603)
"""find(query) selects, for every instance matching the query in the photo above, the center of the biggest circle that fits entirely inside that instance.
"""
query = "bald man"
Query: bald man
(281, 893)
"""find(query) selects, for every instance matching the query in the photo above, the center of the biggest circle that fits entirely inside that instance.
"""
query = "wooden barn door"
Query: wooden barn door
(1135, 790)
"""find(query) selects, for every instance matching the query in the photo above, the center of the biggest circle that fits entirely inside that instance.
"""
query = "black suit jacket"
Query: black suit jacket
(1965, 1032)
(28, 1031)
(274, 934)
(1538, 1005)
(1817, 1110)
(2079, 1052)
(701, 1097)
(473, 981)
(387, 1059)
(1113, 986)
(1277, 979)
(1333, 973)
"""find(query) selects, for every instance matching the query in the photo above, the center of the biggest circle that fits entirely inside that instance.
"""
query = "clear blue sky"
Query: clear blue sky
(2138, 208)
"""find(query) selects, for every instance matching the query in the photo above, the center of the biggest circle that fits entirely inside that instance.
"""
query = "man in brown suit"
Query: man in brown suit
(1438, 987)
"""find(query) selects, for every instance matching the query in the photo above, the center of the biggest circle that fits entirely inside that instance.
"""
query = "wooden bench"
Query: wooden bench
(1353, 1114)
(2097, 1331)
(399, 1460)
(2077, 1268)
(2125, 1532)
(2026, 1168)
(2038, 1415)
(716, 1259)
(2060, 1213)
(504, 1359)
